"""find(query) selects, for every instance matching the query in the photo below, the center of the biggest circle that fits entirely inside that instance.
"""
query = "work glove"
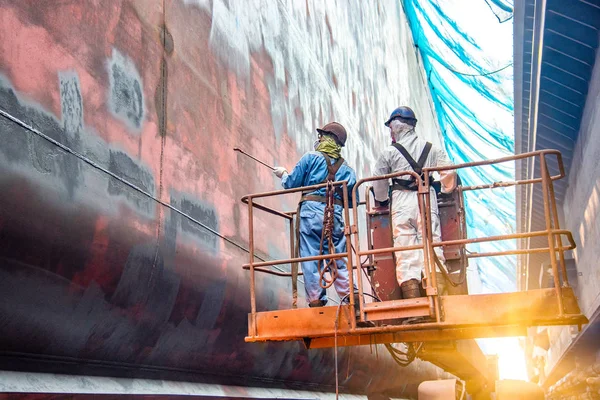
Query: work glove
(279, 171)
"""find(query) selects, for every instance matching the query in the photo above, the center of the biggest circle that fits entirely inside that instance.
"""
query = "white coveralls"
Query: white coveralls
(406, 221)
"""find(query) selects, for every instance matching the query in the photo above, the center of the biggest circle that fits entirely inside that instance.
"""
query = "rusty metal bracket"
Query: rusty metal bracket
(431, 291)
(350, 229)
(387, 310)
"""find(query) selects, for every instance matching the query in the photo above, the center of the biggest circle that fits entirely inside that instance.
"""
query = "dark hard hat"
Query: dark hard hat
(404, 113)
(334, 129)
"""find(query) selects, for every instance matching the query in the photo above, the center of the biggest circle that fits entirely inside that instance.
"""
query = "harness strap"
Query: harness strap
(327, 234)
(332, 169)
(320, 199)
(329, 222)
(417, 166)
(408, 184)
(423, 157)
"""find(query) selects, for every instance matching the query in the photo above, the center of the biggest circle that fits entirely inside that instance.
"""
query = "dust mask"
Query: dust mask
(399, 129)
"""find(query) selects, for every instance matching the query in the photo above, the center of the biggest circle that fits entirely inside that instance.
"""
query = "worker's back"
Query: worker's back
(414, 145)
(312, 170)
(392, 160)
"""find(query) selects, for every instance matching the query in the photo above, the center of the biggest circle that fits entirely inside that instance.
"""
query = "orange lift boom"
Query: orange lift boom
(451, 318)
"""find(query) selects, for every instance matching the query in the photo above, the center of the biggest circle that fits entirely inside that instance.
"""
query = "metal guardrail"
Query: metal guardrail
(552, 231)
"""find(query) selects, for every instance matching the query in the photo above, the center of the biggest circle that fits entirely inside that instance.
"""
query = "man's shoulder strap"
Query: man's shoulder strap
(417, 166)
(332, 169)
(424, 155)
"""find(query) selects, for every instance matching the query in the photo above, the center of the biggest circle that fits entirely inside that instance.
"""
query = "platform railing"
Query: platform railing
(429, 277)
(554, 234)
(253, 266)
(552, 231)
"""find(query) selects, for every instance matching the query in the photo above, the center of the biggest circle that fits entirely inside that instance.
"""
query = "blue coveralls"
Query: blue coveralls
(312, 170)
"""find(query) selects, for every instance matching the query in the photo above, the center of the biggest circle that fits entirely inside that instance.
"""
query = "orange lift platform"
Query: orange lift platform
(451, 315)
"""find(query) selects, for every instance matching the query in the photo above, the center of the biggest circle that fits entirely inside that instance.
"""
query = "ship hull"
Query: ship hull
(121, 227)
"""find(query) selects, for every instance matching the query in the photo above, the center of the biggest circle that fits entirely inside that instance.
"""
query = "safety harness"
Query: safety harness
(328, 225)
(332, 169)
(417, 166)
(411, 184)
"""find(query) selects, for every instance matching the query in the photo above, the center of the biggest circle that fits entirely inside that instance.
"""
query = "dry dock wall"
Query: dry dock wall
(582, 217)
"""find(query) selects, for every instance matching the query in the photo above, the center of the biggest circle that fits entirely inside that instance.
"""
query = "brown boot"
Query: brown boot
(317, 303)
(410, 289)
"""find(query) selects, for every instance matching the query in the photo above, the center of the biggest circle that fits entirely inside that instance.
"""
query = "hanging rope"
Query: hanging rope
(327, 234)
(335, 338)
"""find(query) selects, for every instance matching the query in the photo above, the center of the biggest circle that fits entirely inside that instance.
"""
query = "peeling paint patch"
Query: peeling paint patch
(200, 211)
(13, 138)
(20, 146)
(71, 103)
(126, 97)
(124, 166)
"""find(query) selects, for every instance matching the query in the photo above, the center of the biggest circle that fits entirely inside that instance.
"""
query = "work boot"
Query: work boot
(317, 303)
(410, 289)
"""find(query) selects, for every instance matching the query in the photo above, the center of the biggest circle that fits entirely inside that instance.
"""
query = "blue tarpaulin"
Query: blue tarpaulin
(467, 56)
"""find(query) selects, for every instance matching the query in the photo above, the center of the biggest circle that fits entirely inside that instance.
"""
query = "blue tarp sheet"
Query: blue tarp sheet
(466, 48)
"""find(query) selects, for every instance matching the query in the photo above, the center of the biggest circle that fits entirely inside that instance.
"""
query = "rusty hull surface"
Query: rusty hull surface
(121, 229)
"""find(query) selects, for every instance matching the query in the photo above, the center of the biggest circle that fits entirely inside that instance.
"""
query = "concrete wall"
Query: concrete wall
(122, 229)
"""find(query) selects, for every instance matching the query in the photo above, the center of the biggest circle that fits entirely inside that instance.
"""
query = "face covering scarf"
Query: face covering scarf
(329, 146)
(399, 129)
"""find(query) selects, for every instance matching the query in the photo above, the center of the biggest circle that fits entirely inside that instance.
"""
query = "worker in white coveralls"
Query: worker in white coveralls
(315, 167)
(410, 152)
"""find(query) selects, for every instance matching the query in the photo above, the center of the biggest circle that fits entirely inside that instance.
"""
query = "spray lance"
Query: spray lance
(254, 158)
(295, 272)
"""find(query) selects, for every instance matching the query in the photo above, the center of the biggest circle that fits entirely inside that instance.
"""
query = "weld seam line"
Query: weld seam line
(162, 140)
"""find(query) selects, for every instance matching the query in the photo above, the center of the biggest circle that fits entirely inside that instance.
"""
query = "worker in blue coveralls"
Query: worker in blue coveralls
(312, 169)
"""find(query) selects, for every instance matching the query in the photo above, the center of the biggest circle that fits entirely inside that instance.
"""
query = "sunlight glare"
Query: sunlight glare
(511, 357)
